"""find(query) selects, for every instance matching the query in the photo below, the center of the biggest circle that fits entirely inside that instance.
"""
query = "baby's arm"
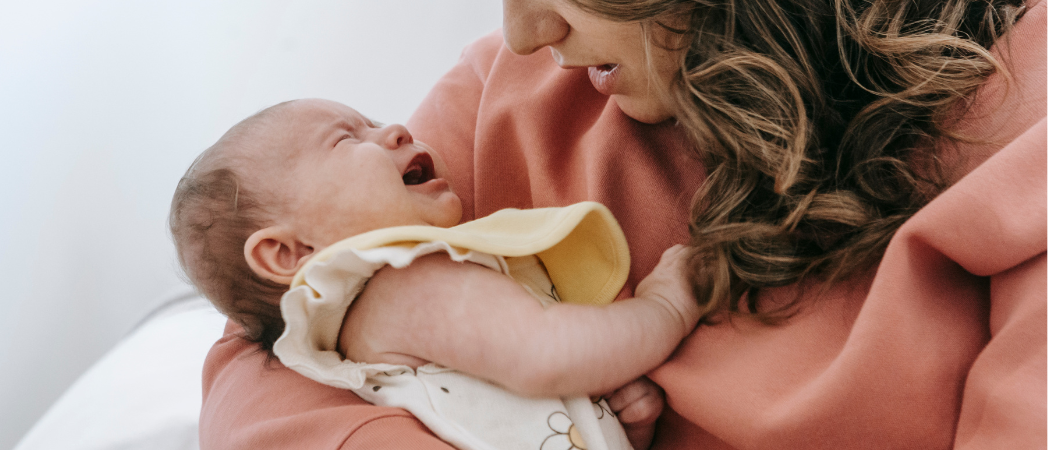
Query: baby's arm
(481, 322)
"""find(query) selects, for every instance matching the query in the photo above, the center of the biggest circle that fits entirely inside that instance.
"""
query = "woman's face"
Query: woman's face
(612, 52)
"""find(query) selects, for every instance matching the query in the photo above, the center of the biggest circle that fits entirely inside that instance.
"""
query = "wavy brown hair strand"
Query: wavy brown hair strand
(817, 120)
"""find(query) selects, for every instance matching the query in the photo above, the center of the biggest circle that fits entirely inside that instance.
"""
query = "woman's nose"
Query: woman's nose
(528, 25)
(394, 136)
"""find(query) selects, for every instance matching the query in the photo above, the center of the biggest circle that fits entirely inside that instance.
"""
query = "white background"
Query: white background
(103, 105)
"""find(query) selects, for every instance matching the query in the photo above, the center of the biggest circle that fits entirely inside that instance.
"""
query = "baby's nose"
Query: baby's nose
(396, 135)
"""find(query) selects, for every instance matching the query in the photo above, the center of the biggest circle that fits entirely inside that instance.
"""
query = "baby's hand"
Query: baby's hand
(668, 284)
(638, 404)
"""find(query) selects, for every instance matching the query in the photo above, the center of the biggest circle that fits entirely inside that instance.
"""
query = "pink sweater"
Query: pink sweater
(944, 345)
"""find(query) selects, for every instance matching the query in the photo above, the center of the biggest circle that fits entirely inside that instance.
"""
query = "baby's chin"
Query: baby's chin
(451, 211)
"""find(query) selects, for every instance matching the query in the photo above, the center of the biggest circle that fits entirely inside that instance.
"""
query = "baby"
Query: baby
(438, 313)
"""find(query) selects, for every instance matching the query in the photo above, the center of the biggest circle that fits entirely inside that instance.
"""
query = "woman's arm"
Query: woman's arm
(250, 401)
(484, 323)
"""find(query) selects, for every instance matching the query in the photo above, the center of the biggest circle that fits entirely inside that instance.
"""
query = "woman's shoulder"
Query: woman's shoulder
(1007, 105)
(480, 55)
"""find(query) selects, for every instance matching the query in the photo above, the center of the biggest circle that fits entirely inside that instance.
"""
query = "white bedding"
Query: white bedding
(144, 393)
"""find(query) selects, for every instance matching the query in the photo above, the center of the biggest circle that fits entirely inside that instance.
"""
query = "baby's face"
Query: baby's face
(346, 175)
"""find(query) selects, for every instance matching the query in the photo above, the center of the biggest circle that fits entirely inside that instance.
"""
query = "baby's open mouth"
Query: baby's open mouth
(420, 170)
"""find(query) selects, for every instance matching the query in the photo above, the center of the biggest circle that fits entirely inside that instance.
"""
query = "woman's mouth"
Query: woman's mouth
(603, 77)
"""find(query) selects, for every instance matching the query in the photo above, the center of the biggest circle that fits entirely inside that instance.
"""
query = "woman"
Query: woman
(818, 132)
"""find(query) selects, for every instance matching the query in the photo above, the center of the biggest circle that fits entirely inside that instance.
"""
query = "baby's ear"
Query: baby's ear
(276, 254)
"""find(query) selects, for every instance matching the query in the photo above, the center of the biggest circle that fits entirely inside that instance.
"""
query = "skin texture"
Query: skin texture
(580, 40)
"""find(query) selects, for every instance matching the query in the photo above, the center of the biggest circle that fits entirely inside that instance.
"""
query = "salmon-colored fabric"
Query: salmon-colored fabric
(943, 345)
(520, 132)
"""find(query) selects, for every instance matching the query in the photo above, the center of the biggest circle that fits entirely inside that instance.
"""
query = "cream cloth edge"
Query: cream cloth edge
(516, 232)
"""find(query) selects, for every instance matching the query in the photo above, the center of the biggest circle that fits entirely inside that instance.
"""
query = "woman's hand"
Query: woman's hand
(638, 404)
(668, 284)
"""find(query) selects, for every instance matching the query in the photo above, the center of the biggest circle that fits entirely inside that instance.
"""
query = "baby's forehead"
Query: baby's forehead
(319, 111)
(307, 124)
(291, 128)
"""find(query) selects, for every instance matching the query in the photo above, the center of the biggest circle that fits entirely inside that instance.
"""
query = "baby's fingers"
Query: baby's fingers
(668, 282)
(671, 267)
(674, 257)
(638, 403)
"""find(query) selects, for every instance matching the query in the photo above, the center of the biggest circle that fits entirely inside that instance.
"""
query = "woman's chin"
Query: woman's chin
(645, 110)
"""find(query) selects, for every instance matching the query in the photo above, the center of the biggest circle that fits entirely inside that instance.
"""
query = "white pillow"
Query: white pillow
(145, 393)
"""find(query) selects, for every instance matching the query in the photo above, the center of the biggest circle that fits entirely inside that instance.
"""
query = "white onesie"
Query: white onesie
(467, 412)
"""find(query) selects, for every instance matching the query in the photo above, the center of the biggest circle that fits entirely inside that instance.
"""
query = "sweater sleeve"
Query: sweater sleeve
(393, 432)
(1003, 402)
(252, 401)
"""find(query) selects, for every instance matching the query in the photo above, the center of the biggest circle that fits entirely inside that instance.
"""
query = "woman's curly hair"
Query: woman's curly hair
(818, 122)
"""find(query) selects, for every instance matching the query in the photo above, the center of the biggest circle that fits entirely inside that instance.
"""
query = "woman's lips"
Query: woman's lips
(603, 77)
